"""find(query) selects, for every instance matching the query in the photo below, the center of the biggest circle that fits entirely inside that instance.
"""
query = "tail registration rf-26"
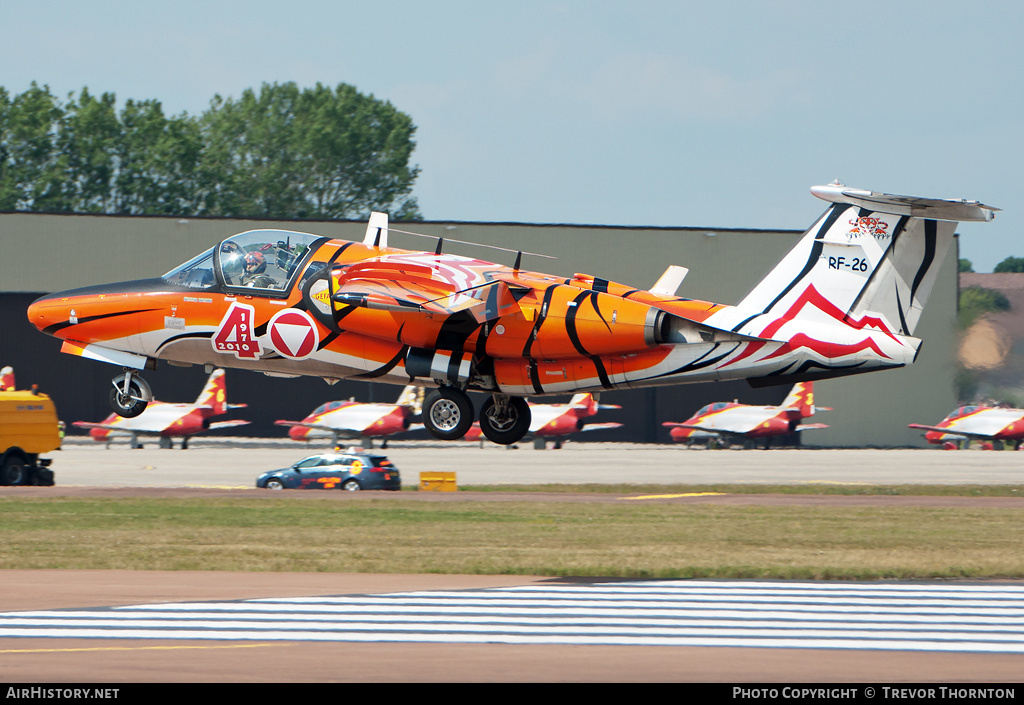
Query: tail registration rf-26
(844, 300)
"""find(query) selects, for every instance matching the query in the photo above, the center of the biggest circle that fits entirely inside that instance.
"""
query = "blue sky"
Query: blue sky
(649, 112)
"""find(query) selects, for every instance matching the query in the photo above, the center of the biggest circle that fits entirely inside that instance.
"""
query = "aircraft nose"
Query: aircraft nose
(48, 313)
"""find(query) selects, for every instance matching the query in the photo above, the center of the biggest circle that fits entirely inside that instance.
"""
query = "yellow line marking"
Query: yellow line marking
(128, 648)
(670, 496)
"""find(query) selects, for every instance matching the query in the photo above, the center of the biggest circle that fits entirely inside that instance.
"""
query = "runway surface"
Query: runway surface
(235, 463)
(135, 626)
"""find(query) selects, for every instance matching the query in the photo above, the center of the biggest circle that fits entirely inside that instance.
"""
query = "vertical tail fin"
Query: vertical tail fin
(585, 403)
(214, 394)
(7, 379)
(411, 396)
(801, 397)
(870, 257)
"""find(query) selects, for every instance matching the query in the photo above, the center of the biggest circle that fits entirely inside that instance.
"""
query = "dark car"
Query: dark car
(335, 471)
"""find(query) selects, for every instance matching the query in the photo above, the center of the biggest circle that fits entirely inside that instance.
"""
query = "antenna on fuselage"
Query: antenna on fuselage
(441, 240)
(377, 230)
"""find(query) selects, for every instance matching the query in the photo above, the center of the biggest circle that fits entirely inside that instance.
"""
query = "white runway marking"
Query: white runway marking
(918, 617)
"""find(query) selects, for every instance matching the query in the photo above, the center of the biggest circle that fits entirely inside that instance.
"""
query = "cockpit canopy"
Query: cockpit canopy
(717, 406)
(257, 259)
(961, 411)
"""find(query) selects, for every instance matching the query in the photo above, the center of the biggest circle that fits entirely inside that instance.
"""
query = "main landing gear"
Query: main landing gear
(130, 395)
(448, 415)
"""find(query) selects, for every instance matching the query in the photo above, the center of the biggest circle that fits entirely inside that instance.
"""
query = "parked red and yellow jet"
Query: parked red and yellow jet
(169, 421)
(339, 419)
(742, 422)
(845, 300)
(977, 422)
(7, 379)
(556, 421)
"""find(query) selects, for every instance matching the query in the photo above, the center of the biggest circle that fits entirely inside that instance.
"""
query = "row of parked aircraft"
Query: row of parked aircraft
(721, 422)
(728, 422)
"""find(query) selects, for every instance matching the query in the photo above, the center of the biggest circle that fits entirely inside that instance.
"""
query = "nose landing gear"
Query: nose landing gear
(130, 394)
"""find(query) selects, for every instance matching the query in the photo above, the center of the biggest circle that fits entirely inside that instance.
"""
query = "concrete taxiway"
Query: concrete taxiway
(235, 463)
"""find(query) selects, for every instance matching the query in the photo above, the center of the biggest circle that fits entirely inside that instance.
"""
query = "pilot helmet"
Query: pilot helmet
(255, 263)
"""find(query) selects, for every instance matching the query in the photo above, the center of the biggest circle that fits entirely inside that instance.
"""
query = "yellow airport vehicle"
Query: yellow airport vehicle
(28, 427)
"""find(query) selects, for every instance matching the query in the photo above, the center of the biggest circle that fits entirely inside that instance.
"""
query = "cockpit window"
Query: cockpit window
(197, 273)
(262, 259)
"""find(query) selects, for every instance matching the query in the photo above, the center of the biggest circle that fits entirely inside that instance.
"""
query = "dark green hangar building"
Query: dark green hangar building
(47, 253)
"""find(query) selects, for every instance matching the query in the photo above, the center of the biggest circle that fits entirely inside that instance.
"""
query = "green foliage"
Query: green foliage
(1010, 264)
(283, 152)
(976, 300)
(966, 265)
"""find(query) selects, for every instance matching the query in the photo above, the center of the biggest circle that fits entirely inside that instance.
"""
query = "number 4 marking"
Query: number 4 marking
(235, 333)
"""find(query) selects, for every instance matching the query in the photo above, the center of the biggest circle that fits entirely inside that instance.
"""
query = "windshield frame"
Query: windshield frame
(273, 235)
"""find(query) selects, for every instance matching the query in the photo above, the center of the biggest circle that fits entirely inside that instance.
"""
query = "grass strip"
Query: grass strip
(808, 488)
(610, 539)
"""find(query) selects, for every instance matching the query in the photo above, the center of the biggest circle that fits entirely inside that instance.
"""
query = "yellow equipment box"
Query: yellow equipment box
(438, 481)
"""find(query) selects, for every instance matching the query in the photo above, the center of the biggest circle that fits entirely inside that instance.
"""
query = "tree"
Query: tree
(975, 301)
(965, 265)
(1010, 264)
(311, 153)
(284, 152)
(31, 170)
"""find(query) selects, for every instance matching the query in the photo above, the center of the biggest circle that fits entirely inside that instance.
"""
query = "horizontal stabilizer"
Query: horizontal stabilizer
(600, 426)
(929, 208)
(227, 424)
(810, 426)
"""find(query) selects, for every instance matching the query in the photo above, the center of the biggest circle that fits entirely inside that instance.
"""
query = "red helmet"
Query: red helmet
(255, 263)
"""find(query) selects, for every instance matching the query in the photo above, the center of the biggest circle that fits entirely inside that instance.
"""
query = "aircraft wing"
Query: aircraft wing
(963, 435)
(118, 429)
(705, 429)
(320, 427)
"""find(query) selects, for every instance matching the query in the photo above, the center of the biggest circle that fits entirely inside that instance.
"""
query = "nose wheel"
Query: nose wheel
(504, 419)
(447, 413)
(130, 394)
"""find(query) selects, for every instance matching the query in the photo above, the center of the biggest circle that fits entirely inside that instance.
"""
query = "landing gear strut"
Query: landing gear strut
(504, 419)
(130, 395)
(447, 413)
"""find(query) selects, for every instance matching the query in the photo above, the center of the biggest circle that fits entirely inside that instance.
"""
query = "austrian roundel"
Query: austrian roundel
(293, 334)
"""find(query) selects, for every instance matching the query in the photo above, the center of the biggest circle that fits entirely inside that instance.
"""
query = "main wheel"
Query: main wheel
(447, 413)
(131, 404)
(13, 471)
(506, 423)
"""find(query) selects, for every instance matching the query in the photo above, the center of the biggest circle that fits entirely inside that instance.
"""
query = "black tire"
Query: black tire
(14, 471)
(273, 484)
(351, 485)
(130, 405)
(43, 477)
(508, 429)
(447, 413)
